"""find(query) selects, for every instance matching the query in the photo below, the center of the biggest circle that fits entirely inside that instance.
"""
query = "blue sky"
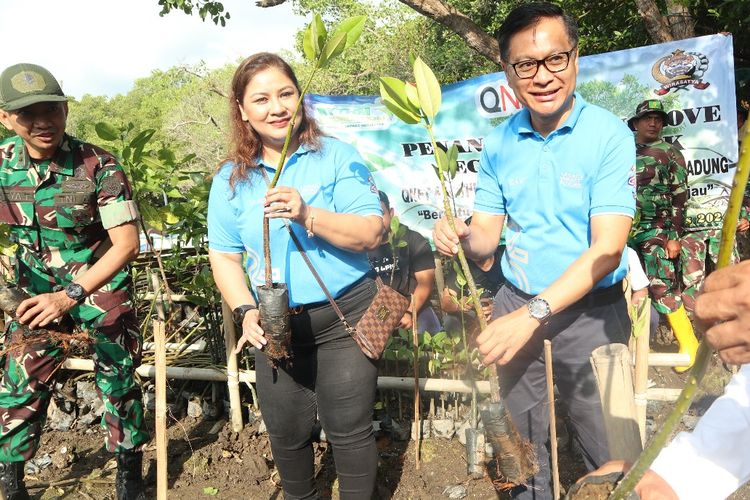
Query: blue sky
(101, 47)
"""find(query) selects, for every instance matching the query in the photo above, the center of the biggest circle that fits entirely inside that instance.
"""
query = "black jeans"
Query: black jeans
(328, 378)
(599, 318)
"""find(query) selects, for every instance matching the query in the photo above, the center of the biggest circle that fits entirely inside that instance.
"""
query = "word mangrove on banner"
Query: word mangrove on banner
(709, 114)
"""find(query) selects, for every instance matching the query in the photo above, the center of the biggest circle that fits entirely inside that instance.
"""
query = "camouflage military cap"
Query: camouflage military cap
(646, 107)
(25, 84)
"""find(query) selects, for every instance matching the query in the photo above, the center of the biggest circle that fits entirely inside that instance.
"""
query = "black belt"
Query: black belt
(596, 297)
(314, 305)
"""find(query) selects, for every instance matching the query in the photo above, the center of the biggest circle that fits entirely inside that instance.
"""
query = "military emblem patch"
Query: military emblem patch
(28, 81)
(112, 186)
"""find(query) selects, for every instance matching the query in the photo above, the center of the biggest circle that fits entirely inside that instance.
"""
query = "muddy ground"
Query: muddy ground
(208, 460)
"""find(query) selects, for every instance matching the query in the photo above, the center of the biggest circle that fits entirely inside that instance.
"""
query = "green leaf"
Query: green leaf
(353, 27)
(452, 161)
(210, 490)
(395, 224)
(153, 163)
(141, 139)
(333, 47)
(106, 131)
(309, 43)
(151, 216)
(319, 33)
(442, 159)
(393, 95)
(412, 96)
(428, 88)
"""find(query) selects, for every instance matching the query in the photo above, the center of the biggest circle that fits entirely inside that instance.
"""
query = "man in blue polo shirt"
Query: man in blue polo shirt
(560, 174)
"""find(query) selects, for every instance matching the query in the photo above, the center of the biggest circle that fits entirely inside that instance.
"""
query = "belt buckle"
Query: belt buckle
(296, 310)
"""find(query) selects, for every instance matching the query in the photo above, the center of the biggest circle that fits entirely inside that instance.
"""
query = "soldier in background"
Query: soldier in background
(661, 195)
(69, 208)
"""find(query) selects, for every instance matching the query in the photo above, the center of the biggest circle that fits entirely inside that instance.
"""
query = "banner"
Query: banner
(694, 78)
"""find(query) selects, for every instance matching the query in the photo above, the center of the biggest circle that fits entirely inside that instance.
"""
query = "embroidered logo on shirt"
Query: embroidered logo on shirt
(516, 181)
(571, 180)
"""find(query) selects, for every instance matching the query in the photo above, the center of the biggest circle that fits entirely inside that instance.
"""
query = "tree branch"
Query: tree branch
(681, 22)
(656, 23)
(447, 15)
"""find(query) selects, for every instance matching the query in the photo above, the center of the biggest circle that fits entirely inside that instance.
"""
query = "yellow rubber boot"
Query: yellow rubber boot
(683, 332)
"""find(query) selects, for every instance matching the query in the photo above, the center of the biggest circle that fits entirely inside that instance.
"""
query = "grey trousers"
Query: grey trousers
(597, 319)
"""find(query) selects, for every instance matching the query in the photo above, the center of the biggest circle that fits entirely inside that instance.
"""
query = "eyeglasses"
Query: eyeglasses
(554, 64)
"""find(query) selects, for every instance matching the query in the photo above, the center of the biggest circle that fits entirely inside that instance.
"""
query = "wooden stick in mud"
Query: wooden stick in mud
(552, 419)
(417, 419)
(640, 382)
(233, 383)
(161, 410)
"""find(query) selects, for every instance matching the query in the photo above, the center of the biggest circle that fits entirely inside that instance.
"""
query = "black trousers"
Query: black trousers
(328, 378)
(598, 319)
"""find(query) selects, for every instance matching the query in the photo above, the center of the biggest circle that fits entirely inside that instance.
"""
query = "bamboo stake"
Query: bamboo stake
(417, 419)
(613, 371)
(233, 384)
(552, 419)
(641, 367)
(161, 411)
(667, 359)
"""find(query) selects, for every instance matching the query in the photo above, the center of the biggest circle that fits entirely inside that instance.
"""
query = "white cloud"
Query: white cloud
(101, 46)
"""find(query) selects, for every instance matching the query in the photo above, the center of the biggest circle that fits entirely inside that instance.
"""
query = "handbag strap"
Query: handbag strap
(315, 274)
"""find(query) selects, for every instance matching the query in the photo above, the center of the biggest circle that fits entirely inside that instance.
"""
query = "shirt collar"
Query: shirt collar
(61, 162)
(301, 150)
(524, 124)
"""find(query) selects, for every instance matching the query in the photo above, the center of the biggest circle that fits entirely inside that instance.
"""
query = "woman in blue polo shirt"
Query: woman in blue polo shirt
(326, 193)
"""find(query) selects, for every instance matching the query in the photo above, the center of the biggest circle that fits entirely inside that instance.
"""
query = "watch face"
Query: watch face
(75, 291)
(538, 308)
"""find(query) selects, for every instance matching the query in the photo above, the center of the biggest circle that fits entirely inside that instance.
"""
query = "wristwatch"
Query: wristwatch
(238, 313)
(539, 309)
(76, 292)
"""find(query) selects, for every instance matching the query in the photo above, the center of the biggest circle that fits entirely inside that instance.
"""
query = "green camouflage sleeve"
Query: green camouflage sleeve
(114, 195)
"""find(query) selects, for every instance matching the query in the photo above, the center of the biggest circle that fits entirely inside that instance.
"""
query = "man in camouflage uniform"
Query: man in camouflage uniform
(661, 195)
(69, 207)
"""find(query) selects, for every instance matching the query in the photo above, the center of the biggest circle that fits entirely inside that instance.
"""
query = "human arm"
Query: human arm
(425, 280)
(40, 310)
(231, 282)
(723, 310)
(358, 233)
(505, 336)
